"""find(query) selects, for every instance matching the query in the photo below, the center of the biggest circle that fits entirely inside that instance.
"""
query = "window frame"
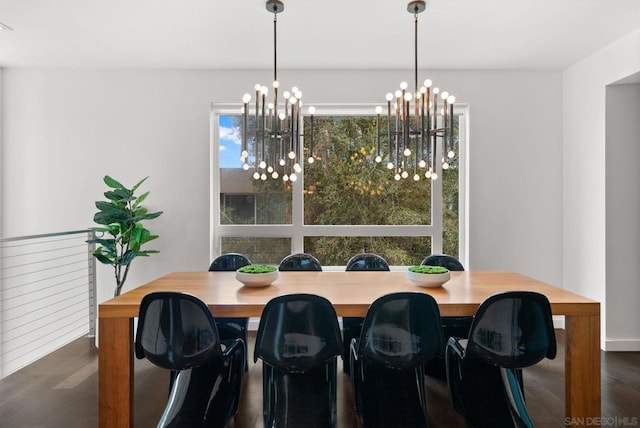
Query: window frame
(297, 230)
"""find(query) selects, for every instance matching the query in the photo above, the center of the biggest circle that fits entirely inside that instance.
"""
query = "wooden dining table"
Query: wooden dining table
(351, 294)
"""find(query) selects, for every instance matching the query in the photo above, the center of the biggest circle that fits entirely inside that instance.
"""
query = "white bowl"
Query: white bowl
(428, 280)
(257, 279)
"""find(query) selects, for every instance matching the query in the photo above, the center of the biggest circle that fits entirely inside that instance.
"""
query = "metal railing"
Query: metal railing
(47, 295)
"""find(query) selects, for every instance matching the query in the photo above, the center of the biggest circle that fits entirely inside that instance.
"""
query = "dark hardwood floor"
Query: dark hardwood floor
(61, 390)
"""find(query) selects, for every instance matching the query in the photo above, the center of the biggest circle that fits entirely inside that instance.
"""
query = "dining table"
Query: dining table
(351, 293)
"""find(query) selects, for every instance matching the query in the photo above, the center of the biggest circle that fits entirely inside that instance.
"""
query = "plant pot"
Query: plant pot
(428, 280)
(257, 279)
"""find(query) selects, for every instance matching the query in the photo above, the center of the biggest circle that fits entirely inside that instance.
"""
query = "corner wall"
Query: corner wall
(585, 176)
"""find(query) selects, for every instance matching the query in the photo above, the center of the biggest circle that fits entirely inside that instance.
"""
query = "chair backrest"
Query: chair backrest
(402, 331)
(229, 262)
(443, 260)
(367, 261)
(300, 261)
(176, 331)
(298, 332)
(513, 330)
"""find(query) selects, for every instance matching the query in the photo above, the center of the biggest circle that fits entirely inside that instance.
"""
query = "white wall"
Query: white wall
(584, 179)
(65, 129)
(623, 216)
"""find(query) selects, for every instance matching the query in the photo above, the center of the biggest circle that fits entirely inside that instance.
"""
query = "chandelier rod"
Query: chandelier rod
(275, 42)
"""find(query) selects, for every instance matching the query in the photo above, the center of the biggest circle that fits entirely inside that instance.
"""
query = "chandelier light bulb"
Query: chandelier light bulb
(293, 177)
(245, 167)
(408, 96)
(423, 90)
(404, 85)
(257, 87)
(445, 165)
(310, 160)
(428, 83)
(291, 155)
(298, 94)
(256, 175)
(312, 110)
(297, 168)
(270, 106)
(436, 90)
(378, 109)
(416, 177)
(282, 162)
(422, 163)
(264, 90)
(244, 154)
(274, 175)
(398, 93)
(378, 159)
(444, 95)
(407, 152)
(390, 165)
(246, 98)
(262, 165)
(270, 169)
(276, 84)
(405, 174)
(434, 176)
(281, 115)
(389, 96)
(451, 154)
(263, 177)
(293, 100)
(285, 177)
(286, 95)
(397, 177)
(294, 89)
(451, 99)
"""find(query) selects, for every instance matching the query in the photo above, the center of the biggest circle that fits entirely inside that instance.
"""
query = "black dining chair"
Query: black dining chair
(367, 261)
(231, 327)
(400, 333)
(177, 332)
(229, 262)
(511, 331)
(351, 326)
(452, 326)
(298, 340)
(300, 261)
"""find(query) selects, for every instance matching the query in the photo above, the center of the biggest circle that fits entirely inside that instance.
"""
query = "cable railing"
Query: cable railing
(47, 295)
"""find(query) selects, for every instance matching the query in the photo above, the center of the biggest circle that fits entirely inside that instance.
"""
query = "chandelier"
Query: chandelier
(272, 133)
(418, 126)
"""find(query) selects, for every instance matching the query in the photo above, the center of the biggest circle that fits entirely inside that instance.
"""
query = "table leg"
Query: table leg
(115, 372)
(582, 371)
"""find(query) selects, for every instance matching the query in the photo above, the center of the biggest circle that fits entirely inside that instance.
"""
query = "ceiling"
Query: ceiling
(332, 34)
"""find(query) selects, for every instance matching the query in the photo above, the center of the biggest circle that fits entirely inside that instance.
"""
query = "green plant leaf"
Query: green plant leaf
(103, 259)
(140, 199)
(134, 188)
(112, 183)
(128, 257)
(119, 195)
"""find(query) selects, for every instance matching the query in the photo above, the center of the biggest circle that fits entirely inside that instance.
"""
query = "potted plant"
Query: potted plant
(122, 233)
(257, 275)
(428, 276)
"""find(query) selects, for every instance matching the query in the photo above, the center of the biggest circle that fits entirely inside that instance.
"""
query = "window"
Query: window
(345, 203)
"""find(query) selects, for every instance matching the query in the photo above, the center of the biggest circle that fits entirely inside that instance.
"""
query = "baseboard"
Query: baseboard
(622, 345)
(558, 322)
